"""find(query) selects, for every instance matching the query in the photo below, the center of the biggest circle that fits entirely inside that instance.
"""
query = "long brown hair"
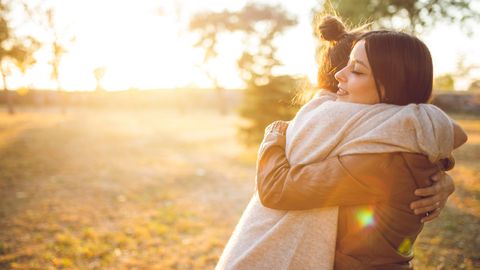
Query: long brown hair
(401, 66)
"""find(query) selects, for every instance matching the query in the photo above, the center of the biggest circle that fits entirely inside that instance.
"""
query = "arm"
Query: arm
(436, 196)
(328, 183)
(307, 186)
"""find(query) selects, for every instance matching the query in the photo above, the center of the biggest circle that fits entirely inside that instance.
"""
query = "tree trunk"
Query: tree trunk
(8, 98)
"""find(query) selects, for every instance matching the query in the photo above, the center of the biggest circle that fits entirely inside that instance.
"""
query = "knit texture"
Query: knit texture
(272, 239)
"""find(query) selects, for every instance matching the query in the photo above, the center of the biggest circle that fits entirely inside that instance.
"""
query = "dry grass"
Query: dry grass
(453, 240)
(152, 189)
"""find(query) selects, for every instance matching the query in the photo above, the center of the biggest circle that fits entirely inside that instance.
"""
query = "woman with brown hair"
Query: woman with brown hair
(359, 124)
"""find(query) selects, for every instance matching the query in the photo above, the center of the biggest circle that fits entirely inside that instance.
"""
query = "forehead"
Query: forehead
(359, 53)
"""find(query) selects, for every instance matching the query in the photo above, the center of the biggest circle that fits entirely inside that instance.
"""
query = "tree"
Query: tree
(210, 25)
(267, 97)
(59, 43)
(57, 38)
(415, 14)
(99, 73)
(467, 71)
(266, 103)
(444, 82)
(14, 50)
(475, 86)
(259, 25)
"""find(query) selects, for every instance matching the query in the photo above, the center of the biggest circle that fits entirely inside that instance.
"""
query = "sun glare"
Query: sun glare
(138, 46)
(141, 47)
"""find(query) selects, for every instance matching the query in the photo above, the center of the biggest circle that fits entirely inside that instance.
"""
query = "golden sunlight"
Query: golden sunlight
(138, 46)
(130, 134)
(146, 44)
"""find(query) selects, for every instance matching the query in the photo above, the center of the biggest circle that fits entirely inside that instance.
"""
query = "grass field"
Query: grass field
(153, 189)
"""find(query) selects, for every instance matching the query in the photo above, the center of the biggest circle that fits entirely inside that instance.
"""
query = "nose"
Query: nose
(340, 75)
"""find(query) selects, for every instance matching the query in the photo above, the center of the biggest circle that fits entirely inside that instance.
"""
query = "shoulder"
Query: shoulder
(372, 160)
(388, 165)
(412, 161)
(432, 112)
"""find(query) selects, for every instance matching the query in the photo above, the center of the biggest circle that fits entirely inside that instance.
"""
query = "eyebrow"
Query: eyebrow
(360, 62)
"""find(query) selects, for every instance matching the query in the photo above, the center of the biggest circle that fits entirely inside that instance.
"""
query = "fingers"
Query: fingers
(443, 183)
(433, 215)
(450, 185)
(426, 209)
(432, 201)
(440, 175)
(435, 197)
(278, 127)
(429, 191)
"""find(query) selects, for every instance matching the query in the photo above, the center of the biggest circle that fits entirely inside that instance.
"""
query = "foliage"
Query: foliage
(264, 104)
(259, 25)
(13, 49)
(467, 71)
(417, 15)
(444, 82)
(59, 43)
(474, 86)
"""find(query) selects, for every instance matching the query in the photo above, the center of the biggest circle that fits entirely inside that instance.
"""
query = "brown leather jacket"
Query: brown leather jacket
(376, 227)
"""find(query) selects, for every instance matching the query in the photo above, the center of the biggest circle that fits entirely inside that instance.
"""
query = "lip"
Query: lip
(341, 91)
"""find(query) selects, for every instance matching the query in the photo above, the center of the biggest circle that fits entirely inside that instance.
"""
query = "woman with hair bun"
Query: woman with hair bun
(335, 53)
(350, 162)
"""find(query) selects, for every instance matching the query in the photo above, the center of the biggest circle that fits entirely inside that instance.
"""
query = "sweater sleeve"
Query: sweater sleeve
(322, 184)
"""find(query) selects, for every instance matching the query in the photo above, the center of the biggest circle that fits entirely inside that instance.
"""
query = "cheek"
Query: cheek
(364, 89)
(361, 84)
(370, 90)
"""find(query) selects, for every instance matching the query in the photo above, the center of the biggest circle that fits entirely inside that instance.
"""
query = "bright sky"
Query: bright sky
(142, 49)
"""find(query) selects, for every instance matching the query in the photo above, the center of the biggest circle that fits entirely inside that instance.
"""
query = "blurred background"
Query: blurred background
(129, 129)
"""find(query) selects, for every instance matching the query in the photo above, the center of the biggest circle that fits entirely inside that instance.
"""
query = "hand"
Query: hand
(436, 197)
(278, 126)
(273, 132)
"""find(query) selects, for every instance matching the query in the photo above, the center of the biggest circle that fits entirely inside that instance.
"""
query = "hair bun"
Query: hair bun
(331, 29)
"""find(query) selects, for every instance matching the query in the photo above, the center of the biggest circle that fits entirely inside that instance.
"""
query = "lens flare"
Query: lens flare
(365, 217)
(405, 247)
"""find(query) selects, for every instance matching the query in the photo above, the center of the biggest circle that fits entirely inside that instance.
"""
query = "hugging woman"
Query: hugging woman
(349, 163)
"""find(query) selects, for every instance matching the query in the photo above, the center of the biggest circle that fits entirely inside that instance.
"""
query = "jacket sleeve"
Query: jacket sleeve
(315, 185)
